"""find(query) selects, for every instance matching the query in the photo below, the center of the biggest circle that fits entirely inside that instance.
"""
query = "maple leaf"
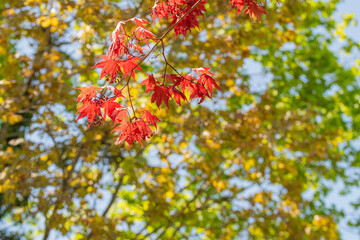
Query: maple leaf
(160, 10)
(143, 34)
(119, 27)
(190, 20)
(109, 107)
(203, 70)
(209, 82)
(139, 22)
(177, 95)
(133, 131)
(90, 110)
(187, 80)
(197, 90)
(129, 67)
(143, 130)
(151, 118)
(118, 46)
(175, 79)
(109, 67)
(119, 115)
(87, 93)
(175, 9)
(125, 130)
(149, 82)
(161, 94)
(239, 4)
(255, 11)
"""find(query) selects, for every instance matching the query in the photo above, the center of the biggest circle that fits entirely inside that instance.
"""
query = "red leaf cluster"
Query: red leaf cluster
(252, 7)
(137, 130)
(95, 106)
(198, 87)
(175, 9)
(121, 57)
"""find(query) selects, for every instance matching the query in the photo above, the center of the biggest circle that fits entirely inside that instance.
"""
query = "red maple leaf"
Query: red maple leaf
(138, 48)
(126, 132)
(149, 82)
(119, 115)
(139, 22)
(175, 79)
(239, 4)
(151, 118)
(175, 9)
(160, 10)
(109, 107)
(203, 70)
(109, 67)
(161, 94)
(187, 80)
(90, 110)
(143, 130)
(255, 11)
(143, 34)
(129, 67)
(118, 46)
(209, 82)
(177, 95)
(87, 93)
(133, 131)
(197, 90)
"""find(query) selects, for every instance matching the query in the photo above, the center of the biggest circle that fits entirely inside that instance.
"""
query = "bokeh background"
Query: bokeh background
(275, 155)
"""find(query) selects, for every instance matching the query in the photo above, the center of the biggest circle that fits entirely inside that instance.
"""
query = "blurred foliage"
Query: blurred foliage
(256, 163)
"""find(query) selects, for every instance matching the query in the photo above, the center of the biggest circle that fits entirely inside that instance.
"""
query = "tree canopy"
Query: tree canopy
(255, 162)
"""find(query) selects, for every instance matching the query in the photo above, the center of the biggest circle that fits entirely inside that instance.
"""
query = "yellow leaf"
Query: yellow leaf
(248, 164)
(169, 194)
(14, 118)
(259, 198)
(281, 166)
(161, 179)
(69, 8)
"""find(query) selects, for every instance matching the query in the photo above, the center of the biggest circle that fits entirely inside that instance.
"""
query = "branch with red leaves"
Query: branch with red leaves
(123, 59)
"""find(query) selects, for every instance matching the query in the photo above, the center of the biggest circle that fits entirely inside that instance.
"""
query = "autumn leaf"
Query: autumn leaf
(209, 83)
(129, 67)
(255, 11)
(161, 94)
(148, 116)
(139, 22)
(109, 107)
(177, 95)
(133, 131)
(109, 67)
(203, 70)
(197, 90)
(87, 93)
(143, 34)
(119, 115)
(149, 83)
(90, 110)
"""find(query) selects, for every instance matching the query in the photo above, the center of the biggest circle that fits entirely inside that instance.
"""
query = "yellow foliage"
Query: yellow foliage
(14, 118)
(249, 163)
